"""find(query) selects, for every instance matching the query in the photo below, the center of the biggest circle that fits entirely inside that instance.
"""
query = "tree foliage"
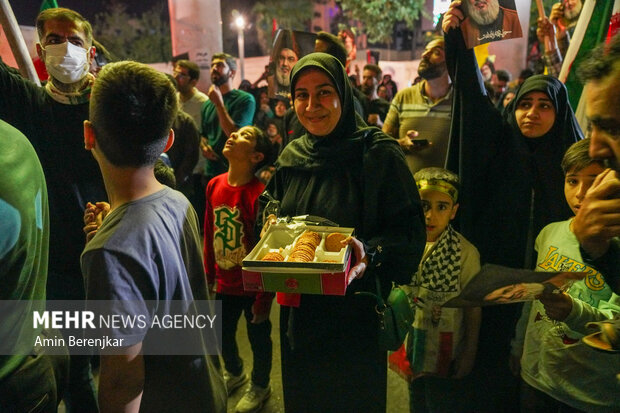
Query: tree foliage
(289, 14)
(143, 38)
(379, 16)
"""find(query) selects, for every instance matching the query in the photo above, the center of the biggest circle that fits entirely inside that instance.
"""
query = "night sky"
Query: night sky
(26, 10)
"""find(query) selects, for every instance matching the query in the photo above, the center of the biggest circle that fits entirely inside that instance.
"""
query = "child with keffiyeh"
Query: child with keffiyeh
(443, 343)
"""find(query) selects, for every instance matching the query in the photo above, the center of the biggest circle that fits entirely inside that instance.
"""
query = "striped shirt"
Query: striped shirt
(412, 109)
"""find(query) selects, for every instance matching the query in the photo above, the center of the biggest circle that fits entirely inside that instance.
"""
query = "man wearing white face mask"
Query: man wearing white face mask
(52, 119)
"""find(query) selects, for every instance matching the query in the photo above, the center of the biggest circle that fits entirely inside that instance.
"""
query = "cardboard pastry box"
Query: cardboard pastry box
(326, 274)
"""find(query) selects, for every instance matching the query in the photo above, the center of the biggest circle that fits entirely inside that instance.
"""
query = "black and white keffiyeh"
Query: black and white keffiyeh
(441, 270)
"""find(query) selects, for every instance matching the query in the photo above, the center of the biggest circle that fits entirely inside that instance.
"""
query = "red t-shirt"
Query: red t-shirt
(229, 235)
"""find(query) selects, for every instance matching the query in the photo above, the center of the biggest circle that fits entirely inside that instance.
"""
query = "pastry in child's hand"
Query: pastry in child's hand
(273, 256)
(333, 241)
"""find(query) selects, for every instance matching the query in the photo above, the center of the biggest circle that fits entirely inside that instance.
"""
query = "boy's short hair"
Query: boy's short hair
(577, 157)
(376, 69)
(164, 174)
(230, 60)
(264, 146)
(603, 61)
(132, 108)
(272, 121)
(192, 68)
(64, 15)
(503, 75)
(438, 179)
(283, 99)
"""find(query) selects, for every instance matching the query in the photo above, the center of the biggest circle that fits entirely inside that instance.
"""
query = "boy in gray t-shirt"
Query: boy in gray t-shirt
(147, 250)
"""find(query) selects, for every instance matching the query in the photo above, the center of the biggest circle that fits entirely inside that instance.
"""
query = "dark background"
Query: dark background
(26, 11)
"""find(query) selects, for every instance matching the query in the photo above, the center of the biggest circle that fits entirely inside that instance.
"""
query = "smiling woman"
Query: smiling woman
(356, 176)
(317, 103)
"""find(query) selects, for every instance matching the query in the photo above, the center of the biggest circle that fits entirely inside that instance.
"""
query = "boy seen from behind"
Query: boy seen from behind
(559, 372)
(232, 205)
(443, 343)
(147, 249)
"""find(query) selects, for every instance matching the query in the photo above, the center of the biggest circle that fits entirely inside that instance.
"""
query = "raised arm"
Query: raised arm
(462, 65)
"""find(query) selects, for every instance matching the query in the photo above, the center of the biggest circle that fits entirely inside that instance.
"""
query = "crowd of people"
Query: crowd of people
(170, 194)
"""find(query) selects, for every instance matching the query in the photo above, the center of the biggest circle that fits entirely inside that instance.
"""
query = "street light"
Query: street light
(240, 23)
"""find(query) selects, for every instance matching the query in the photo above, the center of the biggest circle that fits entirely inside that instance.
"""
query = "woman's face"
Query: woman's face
(507, 98)
(535, 114)
(317, 103)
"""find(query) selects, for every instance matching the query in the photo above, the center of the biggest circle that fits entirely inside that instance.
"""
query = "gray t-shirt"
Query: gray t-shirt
(150, 250)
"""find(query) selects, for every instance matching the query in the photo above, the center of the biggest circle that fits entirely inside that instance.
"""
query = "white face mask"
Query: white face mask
(66, 62)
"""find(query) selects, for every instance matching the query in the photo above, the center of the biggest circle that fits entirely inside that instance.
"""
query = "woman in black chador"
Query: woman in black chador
(511, 185)
(356, 176)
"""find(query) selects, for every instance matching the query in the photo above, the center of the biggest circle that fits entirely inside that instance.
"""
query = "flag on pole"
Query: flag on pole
(614, 24)
(591, 30)
(48, 4)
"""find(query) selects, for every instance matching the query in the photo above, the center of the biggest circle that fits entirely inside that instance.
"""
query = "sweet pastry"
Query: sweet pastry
(313, 237)
(273, 256)
(333, 241)
(304, 248)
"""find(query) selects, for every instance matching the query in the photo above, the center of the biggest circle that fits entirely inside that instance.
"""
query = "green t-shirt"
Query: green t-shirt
(24, 239)
(554, 359)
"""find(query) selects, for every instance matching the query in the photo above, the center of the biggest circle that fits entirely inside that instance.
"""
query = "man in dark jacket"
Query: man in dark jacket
(51, 117)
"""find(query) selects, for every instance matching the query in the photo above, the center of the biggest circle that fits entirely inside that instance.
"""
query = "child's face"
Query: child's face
(280, 109)
(577, 183)
(241, 145)
(439, 210)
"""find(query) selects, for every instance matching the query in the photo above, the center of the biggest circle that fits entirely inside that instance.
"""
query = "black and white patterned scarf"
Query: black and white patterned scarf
(441, 270)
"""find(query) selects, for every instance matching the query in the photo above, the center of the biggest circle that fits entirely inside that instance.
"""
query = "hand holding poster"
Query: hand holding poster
(495, 284)
(489, 21)
(288, 47)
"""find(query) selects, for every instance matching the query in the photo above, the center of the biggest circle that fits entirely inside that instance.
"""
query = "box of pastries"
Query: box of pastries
(299, 258)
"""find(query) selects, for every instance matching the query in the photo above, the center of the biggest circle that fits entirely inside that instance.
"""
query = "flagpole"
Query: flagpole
(16, 41)
(549, 45)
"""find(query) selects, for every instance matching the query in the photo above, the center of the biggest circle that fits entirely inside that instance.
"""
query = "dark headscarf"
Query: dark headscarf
(499, 105)
(538, 159)
(345, 142)
(565, 129)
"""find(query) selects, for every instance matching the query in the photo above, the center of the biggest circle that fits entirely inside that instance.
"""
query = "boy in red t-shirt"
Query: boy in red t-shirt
(232, 205)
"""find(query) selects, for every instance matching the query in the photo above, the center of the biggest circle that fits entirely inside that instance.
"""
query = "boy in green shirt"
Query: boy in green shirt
(557, 368)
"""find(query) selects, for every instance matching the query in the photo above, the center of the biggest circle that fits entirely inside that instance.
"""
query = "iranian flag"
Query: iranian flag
(592, 28)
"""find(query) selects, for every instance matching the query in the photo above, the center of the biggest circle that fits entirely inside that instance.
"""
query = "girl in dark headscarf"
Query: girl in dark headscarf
(505, 98)
(355, 176)
(512, 186)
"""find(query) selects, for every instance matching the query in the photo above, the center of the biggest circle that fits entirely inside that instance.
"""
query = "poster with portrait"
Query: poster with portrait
(489, 21)
(495, 284)
(288, 47)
